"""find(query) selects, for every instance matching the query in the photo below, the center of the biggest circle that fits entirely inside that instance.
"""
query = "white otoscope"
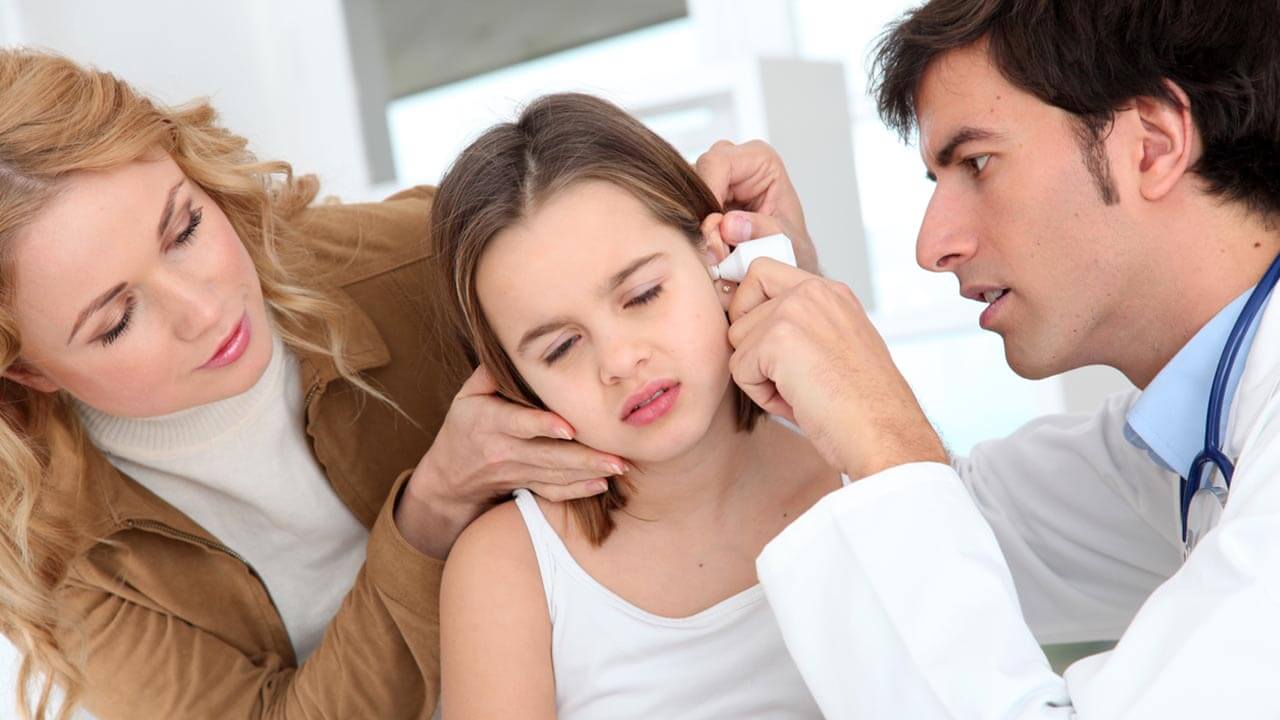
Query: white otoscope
(739, 261)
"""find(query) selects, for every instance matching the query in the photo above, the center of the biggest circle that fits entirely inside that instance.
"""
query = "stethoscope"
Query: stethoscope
(1211, 499)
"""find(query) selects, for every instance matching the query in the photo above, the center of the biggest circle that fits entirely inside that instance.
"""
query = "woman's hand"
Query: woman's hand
(486, 448)
(751, 183)
(805, 349)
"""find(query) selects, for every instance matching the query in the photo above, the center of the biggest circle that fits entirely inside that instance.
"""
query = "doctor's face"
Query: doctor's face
(134, 294)
(1019, 218)
(611, 318)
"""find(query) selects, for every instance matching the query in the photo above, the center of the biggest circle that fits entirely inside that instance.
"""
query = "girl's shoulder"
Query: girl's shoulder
(497, 542)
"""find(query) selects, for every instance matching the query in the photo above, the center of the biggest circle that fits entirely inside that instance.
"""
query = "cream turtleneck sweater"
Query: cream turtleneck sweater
(243, 470)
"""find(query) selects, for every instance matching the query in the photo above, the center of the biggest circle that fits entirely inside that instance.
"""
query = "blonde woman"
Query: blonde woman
(230, 457)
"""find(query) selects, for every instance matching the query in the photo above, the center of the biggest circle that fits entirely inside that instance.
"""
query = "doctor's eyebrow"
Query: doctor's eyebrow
(966, 134)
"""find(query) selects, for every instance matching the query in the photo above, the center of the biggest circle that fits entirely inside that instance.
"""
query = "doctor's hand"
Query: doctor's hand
(487, 447)
(751, 183)
(805, 349)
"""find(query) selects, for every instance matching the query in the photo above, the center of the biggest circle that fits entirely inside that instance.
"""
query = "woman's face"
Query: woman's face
(134, 294)
(611, 317)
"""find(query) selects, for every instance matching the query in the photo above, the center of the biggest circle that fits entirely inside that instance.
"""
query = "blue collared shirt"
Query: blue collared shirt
(1168, 419)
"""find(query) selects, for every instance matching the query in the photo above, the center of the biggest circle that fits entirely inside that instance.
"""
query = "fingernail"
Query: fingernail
(599, 486)
(615, 468)
(563, 434)
(741, 228)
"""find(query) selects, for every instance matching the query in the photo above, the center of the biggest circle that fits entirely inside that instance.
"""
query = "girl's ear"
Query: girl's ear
(716, 249)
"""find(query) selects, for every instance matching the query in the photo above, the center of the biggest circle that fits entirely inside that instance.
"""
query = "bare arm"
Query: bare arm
(495, 630)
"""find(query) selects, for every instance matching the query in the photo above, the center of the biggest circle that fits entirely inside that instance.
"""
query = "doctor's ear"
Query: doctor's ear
(24, 373)
(1169, 142)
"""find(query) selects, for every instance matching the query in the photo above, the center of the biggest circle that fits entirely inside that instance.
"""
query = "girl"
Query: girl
(216, 404)
(571, 243)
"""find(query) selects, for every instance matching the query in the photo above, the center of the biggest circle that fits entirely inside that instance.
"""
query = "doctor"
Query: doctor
(1108, 183)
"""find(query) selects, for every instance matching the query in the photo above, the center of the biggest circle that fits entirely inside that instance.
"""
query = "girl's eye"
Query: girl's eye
(644, 297)
(189, 233)
(114, 333)
(977, 162)
(561, 349)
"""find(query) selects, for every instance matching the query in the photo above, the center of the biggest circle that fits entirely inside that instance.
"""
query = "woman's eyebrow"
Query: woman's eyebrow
(167, 214)
(93, 307)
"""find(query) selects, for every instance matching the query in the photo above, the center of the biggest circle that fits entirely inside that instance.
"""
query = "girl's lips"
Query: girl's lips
(667, 393)
(233, 347)
(659, 407)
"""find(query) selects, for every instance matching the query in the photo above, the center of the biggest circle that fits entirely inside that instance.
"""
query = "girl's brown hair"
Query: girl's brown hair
(506, 174)
(58, 118)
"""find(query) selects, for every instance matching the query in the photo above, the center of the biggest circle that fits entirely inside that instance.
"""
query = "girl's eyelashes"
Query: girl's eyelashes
(644, 297)
(114, 333)
(560, 350)
(189, 233)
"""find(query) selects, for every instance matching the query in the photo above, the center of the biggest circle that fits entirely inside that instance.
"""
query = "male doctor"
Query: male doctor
(1108, 183)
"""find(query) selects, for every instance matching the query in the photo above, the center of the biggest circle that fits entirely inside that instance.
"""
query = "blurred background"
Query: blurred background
(375, 95)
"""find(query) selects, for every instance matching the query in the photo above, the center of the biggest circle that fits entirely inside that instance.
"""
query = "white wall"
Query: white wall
(278, 71)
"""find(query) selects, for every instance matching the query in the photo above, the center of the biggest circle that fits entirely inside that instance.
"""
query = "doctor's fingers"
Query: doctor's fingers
(738, 226)
(749, 373)
(748, 175)
(767, 279)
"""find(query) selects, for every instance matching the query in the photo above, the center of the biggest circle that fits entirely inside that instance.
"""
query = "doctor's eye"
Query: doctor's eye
(977, 163)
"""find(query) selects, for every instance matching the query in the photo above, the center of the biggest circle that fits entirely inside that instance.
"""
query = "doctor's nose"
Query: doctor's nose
(621, 358)
(947, 238)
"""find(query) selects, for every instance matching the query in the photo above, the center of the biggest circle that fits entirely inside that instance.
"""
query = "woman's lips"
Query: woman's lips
(233, 347)
(653, 401)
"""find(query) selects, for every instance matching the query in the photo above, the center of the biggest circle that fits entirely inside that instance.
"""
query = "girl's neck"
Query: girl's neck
(706, 479)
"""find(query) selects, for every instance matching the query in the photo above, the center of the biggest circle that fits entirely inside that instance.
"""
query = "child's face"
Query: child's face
(601, 307)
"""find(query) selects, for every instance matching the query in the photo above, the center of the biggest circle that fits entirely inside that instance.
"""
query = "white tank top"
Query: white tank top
(613, 660)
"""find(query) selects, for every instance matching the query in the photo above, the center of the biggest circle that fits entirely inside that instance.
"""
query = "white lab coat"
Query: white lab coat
(923, 591)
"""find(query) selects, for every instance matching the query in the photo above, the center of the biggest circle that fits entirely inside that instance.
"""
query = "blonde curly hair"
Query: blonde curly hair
(58, 118)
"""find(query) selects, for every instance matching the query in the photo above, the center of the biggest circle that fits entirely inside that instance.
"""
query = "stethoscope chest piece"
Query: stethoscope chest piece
(1203, 514)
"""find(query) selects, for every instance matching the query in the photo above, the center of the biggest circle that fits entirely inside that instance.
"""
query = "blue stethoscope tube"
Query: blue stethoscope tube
(1212, 452)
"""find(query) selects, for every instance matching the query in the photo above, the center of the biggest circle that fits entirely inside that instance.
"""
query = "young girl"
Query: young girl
(216, 404)
(572, 244)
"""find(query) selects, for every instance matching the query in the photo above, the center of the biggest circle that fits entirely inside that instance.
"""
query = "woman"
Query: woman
(572, 243)
(218, 403)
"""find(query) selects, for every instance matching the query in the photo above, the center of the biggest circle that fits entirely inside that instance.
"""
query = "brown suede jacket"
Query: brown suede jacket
(176, 625)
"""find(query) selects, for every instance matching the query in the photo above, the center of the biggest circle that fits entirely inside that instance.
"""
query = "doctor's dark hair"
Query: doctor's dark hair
(511, 170)
(1091, 57)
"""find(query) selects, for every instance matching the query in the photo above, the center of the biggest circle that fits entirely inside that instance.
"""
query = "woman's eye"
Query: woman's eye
(977, 162)
(644, 297)
(115, 332)
(189, 233)
(560, 350)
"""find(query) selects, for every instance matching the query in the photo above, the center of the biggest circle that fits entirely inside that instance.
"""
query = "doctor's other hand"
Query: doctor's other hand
(487, 447)
(805, 349)
(752, 184)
